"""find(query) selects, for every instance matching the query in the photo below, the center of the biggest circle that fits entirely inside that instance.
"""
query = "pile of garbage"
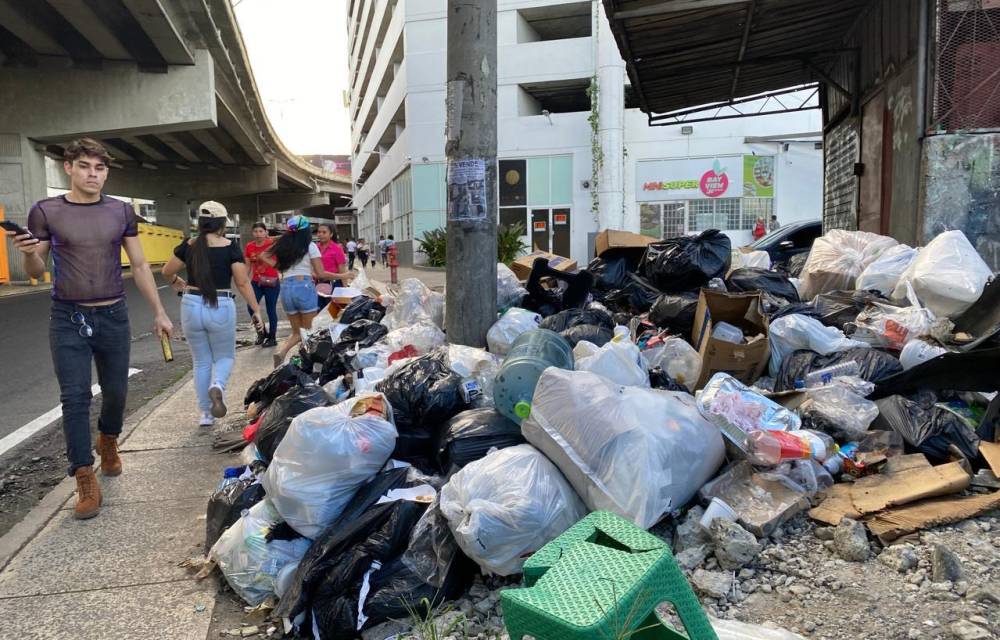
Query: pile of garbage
(676, 381)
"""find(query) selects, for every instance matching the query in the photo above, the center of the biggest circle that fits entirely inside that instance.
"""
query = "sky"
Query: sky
(298, 52)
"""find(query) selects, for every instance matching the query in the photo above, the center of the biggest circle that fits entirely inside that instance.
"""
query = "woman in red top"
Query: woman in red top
(332, 254)
(264, 281)
(759, 230)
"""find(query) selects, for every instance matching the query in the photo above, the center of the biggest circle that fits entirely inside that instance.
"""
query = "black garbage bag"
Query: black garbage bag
(317, 347)
(954, 371)
(277, 418)
(675, 311)
(875, 365)
(659, 379)
(636, 296)
(362, 308)
(756, 279)
(610, 273)
(360, 334)
(838, 308)
(341, 535)
(687, 262)
(265, 390)
(594, 333)
(795, 264)
(572, 292)
(424, 393)
(926, 428)
(800, 308)
(574, 317)
(471, 434)
(227, 503)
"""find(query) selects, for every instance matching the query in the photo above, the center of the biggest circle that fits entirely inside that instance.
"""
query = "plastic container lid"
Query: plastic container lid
(522, 409)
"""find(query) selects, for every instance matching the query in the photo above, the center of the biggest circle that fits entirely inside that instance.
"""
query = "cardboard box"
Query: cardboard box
(614, 239)
(745, 362)
(522, 266)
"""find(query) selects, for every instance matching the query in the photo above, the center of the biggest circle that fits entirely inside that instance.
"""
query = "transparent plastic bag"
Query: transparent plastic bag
(476, 364)
(325, 456)
(796, 331)
(424, 336)
(413, 303)
(248, 561)
(736, 410)
(361, 281)
(640, 453)
(884, 272)
(838, 258)
(948, 276)
(508, 505)
(807, 477)
(511, 324)
(758, 259)
(837, 410)
(509, 289)
(889, 327)
(678, 359)
(619, 361)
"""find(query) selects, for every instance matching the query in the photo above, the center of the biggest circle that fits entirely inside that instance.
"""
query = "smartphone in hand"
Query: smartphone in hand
(9, 225)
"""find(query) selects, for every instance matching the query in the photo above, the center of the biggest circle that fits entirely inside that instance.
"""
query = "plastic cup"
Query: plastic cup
(717, 509)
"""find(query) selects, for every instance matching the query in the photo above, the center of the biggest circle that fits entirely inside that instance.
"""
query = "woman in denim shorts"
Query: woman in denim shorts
(300, 263)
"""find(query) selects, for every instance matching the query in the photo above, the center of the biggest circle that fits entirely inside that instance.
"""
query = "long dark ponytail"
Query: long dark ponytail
(198, 264)
(290, 248)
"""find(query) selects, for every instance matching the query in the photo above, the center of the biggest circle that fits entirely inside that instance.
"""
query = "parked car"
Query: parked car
(789, 240)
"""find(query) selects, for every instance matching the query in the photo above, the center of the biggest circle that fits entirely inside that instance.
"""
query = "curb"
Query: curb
(24, 531)
(22, 290)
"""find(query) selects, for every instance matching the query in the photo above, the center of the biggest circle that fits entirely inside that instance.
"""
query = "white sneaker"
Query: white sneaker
(206, 420)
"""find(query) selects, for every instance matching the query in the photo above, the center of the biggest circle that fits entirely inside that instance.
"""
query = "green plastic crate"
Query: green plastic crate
(603, 579)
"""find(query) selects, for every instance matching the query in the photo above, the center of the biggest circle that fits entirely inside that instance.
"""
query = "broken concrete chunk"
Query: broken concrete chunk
(690, 532)
(714, 584)
(945, 565)
(735, 547)
(901, 557)
(692, 556)
(850, 541)
(965, 630)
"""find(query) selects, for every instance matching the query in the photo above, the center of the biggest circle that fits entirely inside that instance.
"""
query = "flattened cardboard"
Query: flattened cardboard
(745, 362)
(614, 239)
(991, 451)
(894, 523)
(522, 266)
(836, 506)
(881, 491)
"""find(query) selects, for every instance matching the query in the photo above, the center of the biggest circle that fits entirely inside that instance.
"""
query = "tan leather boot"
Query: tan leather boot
(88, 494)
(107, 448)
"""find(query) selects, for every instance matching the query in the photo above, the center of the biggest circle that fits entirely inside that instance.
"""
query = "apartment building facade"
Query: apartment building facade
(567, 167)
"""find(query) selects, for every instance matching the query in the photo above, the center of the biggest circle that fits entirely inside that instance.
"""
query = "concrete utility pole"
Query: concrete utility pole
(471, 149)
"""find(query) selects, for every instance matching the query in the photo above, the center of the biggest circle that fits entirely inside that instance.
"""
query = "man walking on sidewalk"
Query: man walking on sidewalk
(85, 232)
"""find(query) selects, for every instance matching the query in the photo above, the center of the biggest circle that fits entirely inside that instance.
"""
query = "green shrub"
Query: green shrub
(434, 244)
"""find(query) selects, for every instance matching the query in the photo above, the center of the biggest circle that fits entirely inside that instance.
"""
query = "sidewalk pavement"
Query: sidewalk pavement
(9, 290)
(117, 575)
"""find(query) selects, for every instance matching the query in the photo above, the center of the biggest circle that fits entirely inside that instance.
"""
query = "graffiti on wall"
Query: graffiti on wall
(962, 190)
(900, 104)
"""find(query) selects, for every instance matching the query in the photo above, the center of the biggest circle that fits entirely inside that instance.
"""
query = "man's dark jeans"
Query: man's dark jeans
(72, 353)
(270, 295)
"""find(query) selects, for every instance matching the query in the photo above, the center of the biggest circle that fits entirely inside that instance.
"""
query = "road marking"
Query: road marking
(44, 420)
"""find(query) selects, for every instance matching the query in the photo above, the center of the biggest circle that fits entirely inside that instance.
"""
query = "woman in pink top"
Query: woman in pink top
(332, 254)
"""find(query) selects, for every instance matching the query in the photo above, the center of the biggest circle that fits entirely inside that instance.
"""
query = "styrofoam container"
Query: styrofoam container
(717, 509)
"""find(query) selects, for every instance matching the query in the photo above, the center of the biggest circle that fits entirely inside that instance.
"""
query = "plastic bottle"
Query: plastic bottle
(230, 475)
(532, 352)
(823, 376)
(727, 333)
(771, 448)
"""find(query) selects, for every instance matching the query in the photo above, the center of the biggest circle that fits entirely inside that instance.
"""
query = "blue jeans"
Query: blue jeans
(298, 295)
(72, 354)
(270, 295)
(211, 334)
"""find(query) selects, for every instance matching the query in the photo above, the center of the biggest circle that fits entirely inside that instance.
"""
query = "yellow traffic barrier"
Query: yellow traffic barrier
(158, 243)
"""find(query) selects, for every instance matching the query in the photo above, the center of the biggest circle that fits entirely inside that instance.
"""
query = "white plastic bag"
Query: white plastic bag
(796, 331)
(677, 358)
(838, 258)
(509, 289)
(758, 259)
(250, 563)
(640, 453)
(504, 507)
(737, 410)
(511, 324)
(477, 364)
(619, 361)
(361, 281)
(947, 275)
(884, 272)
(423, 335)
(326, 455)
(917, 352)
(413, 303)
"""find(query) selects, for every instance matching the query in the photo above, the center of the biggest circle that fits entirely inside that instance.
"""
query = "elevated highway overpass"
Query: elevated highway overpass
(167, 86)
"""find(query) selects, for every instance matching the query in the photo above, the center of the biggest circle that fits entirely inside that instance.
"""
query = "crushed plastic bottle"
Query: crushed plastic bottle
(825, 375)
(771, 448)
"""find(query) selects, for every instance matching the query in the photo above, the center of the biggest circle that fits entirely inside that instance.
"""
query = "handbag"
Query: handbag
(267, 281)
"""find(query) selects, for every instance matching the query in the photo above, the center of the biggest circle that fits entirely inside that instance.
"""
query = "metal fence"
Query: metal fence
(966, 66)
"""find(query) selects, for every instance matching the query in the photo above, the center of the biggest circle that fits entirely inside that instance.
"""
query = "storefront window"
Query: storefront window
(669, 219)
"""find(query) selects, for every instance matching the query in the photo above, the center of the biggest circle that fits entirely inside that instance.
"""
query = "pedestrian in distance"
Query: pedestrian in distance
(300, 263)
(774, 225)
(759, 230)
(382, 252)
(85, 231)
(363, 253)
(265, 282)
(333, 258)
(352, 253)
(208, 309)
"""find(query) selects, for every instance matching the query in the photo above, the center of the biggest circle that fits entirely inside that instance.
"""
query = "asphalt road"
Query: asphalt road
(29, 386)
